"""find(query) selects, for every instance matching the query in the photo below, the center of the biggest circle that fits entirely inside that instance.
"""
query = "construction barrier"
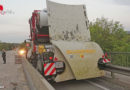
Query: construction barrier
(18, 59)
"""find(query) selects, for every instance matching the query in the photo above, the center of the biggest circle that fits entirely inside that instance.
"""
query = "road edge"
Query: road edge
(34, 78)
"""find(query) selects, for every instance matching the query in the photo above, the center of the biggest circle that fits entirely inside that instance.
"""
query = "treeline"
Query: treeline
(110, 35)
(7, 46)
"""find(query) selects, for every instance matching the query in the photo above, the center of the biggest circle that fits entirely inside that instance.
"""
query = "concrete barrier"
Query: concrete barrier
(35, 79)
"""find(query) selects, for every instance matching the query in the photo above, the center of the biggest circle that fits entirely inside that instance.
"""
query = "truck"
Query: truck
(60, 46)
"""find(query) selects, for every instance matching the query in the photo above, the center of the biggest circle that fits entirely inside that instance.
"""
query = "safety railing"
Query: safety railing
(120, 63)
(120, 58)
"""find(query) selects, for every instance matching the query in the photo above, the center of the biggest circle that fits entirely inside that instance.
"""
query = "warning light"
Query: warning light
(106, 55)
(50, 58)
(21, 52)
(27, 45)
(55, 59)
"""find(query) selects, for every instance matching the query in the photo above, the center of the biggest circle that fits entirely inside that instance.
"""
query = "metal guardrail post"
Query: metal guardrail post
(120, 59)
(117, 69)
(127, 61)
(113, 75)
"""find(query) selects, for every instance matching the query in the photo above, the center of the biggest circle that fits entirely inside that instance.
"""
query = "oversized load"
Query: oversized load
(61, 43)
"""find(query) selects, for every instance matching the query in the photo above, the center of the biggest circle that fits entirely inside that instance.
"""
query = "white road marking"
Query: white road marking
(95, 84)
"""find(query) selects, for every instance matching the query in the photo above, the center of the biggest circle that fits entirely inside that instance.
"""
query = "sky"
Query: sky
(14, 26)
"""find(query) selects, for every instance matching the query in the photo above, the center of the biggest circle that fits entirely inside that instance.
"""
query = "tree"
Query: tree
(109, 34)
(7, 46)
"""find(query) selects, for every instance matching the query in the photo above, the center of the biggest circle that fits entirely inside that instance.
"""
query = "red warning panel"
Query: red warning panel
(106, 60)
(49, 69)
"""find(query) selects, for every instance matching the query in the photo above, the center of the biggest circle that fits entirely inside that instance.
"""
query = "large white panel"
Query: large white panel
(67, 22)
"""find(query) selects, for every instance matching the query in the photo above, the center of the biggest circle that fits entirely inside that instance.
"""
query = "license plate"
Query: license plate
(59, 65)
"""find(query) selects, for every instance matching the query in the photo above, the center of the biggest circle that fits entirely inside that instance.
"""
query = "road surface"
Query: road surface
(11, 74)
(91, 84)
(12, 78)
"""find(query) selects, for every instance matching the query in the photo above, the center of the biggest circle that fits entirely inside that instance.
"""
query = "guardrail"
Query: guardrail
(117, 69)
(35, 79)
(120, 63)
(120, 58)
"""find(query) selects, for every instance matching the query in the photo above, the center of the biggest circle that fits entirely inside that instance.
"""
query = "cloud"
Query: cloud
(122, 2)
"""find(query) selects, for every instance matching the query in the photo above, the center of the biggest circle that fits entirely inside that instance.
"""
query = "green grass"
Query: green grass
(7, 46)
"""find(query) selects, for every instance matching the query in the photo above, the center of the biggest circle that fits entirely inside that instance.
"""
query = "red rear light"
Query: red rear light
(27, 44)
(50, 58)
(55, 59)
(105, 54)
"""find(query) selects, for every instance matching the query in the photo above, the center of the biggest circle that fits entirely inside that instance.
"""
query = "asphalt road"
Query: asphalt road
(12, 78)
(11, 74)
(91, 84)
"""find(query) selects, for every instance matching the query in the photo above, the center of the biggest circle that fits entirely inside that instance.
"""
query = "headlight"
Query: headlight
(21, 52)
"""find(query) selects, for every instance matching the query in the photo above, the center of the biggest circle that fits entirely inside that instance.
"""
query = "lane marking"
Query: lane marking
(100, 86)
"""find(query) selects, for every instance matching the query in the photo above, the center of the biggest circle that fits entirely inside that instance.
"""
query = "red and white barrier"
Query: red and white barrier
(49, 69)
(106, 60)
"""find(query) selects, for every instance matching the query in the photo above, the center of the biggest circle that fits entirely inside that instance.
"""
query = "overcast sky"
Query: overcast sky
(15, 27)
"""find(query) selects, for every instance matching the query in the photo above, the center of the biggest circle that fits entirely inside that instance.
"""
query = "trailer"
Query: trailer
(61, 47)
